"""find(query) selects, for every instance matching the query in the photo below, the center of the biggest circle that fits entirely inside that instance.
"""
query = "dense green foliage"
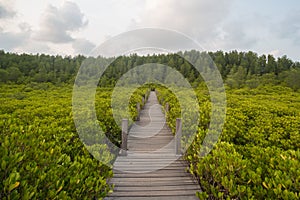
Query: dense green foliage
(111, 123)
(237, 68)
(258, 155)
(41, 154)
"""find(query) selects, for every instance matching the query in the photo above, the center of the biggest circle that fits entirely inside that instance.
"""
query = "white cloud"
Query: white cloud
(150, 39)
(9, 40)
(57, 24)
(275, 53)
(6, 11)
(62, 27)
(198, 19)
(55, 34)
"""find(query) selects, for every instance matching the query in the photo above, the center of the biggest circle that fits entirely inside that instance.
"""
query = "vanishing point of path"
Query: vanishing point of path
(152, 170)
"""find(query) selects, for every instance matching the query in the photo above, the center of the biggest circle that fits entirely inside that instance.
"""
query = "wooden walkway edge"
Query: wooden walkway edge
(151, 169)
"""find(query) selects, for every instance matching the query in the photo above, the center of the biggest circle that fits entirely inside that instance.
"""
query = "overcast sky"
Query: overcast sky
(77, 26)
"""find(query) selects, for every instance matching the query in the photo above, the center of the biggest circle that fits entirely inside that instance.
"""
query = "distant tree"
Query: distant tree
(185, 69)
(236, 68)
(220, 61)
(41, 76)
(14, 74)
(293, 79)
(233, 58)
(3, 75)
(261, 65)
(237, 77)
(283, 64)
(251, 58)
(271, 64)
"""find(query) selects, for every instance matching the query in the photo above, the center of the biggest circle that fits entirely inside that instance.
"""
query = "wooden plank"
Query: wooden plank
(151, 184)
(154, 198)
(154, 179)
(149, 193)
(148, 163)
(156, 172)
(174, 173)
(157, 188)
(137, 159)
(145, 169)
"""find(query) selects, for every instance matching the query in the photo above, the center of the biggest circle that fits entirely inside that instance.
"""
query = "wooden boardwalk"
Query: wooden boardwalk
(151, 170)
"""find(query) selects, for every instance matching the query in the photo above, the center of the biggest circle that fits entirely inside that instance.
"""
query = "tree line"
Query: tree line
(238, 69)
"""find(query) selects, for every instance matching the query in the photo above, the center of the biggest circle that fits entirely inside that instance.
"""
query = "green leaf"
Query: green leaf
(3, 165)
(13, 186)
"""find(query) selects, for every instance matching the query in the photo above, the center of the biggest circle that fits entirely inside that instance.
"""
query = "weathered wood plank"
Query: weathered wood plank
(150, 193)
(171, 173)
(157, 183)
(178, 197)
(156, 172)
(156, 188)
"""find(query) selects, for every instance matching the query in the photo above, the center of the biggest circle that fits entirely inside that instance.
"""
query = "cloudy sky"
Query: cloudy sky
(77, 26)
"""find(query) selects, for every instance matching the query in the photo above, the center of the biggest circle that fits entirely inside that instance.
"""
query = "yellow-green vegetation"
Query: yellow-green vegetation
(257, 156)
(42, 156)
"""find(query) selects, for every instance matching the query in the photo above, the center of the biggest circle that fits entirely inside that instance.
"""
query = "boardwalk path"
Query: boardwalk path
(151, 170)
